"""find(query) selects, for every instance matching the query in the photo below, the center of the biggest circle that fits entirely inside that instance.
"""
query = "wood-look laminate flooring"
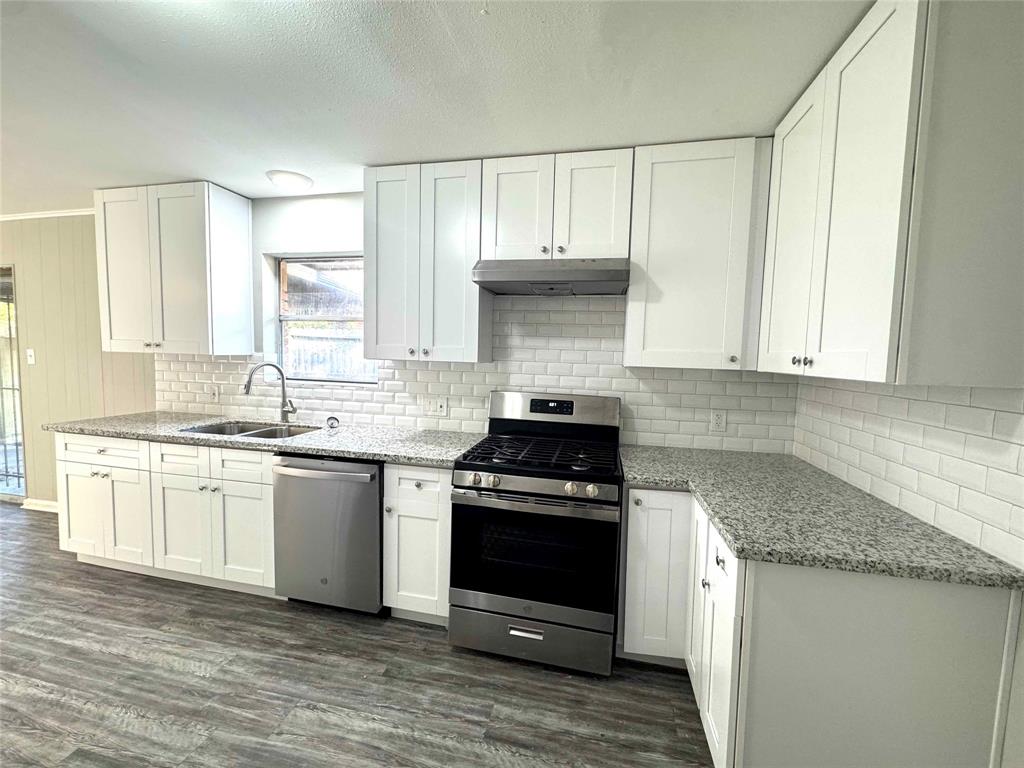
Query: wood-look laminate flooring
(106, 668)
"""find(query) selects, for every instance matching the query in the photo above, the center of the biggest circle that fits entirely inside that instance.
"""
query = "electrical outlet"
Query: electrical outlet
(214, 391)
(718, 421)
(30, 356)
(435, 405)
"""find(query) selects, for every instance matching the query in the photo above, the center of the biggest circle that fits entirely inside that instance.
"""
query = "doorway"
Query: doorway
(12, 448)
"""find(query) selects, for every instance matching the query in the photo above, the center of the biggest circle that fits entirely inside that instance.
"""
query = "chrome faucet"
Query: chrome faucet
(287, 407)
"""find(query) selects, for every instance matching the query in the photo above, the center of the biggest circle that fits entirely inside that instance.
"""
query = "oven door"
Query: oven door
(544, 559)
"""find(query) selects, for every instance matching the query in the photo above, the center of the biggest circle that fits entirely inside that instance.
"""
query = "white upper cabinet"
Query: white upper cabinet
(391, 232)
(518, 194)
(699, 213)
(455, 313)
(592, 202)
(915, 267)
(175, 269)
(872, 86)
(422, 238)
(789, 250)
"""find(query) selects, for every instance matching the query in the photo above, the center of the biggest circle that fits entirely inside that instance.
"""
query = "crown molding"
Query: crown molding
(47, 214)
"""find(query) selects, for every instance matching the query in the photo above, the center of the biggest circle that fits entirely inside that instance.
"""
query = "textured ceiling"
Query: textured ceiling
(98, 94)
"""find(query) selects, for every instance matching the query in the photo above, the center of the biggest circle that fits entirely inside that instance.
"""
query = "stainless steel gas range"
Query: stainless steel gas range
(536, 507)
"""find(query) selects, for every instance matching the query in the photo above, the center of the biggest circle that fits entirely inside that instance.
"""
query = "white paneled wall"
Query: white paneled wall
(547, 344)
(951, 456)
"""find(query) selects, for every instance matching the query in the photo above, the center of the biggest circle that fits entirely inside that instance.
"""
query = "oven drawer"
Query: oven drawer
(531, 640)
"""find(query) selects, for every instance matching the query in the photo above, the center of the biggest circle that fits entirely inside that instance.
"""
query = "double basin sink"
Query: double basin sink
(251, 429)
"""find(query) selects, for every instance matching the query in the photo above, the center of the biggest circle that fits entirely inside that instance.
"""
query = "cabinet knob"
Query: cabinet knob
(157, 344)
(146, 344)
(544, 249)
(93, 474)
(705, 583)
(808, 361)
(426, 352)
(101, 450)
(561, 249)
(412, 350)
(796, 360)
(638, 501)
(215, 488)
(389, 510)
(104, 475)
(202, 487)
(733, 359)
(417, 485)
(719, 561)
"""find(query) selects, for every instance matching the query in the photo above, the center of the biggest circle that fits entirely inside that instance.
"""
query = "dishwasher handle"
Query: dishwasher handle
(320, 474)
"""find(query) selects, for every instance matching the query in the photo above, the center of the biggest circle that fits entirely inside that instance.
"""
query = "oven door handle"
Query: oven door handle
(534, 506)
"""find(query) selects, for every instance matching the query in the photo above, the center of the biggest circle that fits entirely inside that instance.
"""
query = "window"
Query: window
(321, 317)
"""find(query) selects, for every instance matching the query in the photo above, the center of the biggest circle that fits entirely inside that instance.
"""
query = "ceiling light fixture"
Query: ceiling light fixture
(290, 181)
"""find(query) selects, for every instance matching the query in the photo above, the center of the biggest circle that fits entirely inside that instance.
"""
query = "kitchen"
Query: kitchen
(702, 451)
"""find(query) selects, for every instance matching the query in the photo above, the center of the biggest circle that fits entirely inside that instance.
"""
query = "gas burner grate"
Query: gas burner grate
(544, 453)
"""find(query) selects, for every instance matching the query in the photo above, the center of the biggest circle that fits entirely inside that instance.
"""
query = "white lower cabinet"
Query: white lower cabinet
(243, 532)
(104, 512)
(182, 531)
(657, 560)
(417, 539)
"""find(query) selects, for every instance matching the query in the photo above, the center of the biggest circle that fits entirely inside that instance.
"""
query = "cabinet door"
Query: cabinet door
(243, 532)
(872, 90)
(518, 194)
(721, 648)
(178, 249)
(694, 286)
(452, 306)
(123, 268)
(83, 503)
(416, 546)
(391, 230)
(792, 208)
(695, 604)
(128, 527)
(657, 551)
(182, 533)
(591, 207)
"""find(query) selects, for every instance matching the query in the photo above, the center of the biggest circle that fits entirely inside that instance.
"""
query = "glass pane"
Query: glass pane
(318, 288)
(12, 460)
(325, 349)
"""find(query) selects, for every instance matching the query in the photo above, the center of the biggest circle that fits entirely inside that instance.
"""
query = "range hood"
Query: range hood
(553, 277)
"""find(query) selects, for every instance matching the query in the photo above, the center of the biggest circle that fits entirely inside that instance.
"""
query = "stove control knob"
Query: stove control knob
(493, 480)
(475, 478)
(592, 491)
(571, 488)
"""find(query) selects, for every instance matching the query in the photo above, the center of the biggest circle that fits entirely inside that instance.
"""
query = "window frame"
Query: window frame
(281, 318)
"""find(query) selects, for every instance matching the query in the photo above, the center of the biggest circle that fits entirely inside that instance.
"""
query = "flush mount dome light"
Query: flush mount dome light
(289, 180)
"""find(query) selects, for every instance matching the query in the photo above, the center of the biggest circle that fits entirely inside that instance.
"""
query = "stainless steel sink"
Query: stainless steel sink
(277, 433)
(228, 428)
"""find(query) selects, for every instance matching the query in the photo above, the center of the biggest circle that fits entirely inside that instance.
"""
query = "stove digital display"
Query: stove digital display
(559, 407)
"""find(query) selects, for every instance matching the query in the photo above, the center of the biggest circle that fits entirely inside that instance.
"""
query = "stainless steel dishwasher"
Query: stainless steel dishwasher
(327, 531)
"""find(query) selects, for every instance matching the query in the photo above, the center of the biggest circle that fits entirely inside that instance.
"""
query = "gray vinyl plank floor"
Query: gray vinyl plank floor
(106, 668)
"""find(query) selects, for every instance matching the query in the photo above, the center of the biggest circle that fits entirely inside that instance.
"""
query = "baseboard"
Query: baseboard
(422, 618)
(203, 581)
(40, 505)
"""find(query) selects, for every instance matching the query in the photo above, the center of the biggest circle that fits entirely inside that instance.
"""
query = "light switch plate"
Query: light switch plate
(718, 421)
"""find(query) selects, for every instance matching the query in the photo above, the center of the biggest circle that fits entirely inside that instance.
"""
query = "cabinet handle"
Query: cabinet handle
(412, 350)
(808, 361)
(705, 583)
(202, 487)
(426, 352)
(417, 485)
(796, 360)
(733, 359)
(561, 249)
(101, 450)
(638, 501)
(388, 509)
(544, 249)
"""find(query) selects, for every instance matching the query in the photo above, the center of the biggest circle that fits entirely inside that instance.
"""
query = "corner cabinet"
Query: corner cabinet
(574, 205)
(422, 238)
(175, 269)
(699, 213)
(890, 258)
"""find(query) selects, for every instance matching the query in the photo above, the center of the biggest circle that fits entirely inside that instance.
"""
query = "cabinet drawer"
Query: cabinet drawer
(241, 466)
(417, 483)
(174, 459)
(104, 451)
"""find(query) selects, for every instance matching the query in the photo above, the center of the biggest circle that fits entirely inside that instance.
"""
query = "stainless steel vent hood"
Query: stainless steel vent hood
(553, 277)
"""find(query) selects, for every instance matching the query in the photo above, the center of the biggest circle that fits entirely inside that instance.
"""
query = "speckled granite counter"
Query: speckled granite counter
(402, 446)
(778, 509)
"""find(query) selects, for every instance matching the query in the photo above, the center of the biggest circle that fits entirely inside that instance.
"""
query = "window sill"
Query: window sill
(333, 383)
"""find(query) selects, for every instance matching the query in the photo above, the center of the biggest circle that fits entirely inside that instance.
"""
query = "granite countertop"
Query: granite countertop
(768, 507)
(355, 441)
(777, 508)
